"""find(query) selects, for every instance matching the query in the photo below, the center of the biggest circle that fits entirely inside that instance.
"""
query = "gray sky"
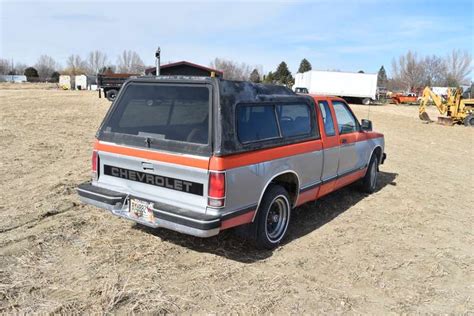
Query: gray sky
(343, 35)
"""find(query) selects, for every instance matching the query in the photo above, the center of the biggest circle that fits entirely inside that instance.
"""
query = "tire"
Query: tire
(469, 120)
(111, 95)
(273, 217)
(369, 182)
(365, 101)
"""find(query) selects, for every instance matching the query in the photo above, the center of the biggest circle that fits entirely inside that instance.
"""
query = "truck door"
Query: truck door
(352, 150)
(330, 148)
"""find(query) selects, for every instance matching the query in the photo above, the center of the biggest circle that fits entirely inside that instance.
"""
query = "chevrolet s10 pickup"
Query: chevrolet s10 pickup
(200, 155)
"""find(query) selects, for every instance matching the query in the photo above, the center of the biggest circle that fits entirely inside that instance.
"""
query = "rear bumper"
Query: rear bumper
(165, 216)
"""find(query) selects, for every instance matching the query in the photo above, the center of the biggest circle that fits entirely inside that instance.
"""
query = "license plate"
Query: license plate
(141, 210)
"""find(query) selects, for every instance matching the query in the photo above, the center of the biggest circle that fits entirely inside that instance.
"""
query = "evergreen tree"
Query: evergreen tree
(55, 76)
(305, 66)
(270, 78)
(283, 75)
(382, 77)
(361, 72)
(31, 72)
(255, 76)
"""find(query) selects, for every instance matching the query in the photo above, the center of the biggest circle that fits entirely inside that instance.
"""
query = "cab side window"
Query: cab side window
(346, 122)
(327, 118)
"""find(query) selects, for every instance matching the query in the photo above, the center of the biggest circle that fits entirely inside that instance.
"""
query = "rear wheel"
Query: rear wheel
(111, 95)
(366, 101)
(273, 217)
(469, 120)
(369, 182)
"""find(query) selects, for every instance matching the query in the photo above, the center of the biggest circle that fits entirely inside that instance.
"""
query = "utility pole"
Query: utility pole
(157, 56)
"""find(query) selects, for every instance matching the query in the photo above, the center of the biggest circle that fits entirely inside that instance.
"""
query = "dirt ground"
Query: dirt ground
(408, 248)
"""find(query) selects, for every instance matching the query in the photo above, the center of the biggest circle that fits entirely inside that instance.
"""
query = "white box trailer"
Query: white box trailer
(361, 86)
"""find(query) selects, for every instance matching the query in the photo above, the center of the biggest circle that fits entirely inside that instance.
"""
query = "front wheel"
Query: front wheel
(273, 217)
(369, 182)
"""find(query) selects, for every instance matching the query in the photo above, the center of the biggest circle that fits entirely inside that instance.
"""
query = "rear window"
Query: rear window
(163, 112)
(264, 122)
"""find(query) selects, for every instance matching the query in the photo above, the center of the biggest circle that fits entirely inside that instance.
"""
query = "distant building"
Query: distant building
(184, 68)
(13, 78)
(65, 82)
(80, 82)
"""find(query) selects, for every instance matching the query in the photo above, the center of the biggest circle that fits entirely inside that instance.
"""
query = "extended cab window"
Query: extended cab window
(262, 122)
(327, 118)
(163, 112)
(294, 119)
(346, 122)
(256, 123)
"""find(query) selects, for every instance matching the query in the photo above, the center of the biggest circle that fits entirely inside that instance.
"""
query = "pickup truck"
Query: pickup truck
(201, 155)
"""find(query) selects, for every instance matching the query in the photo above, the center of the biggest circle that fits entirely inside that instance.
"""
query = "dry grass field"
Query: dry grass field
(408, 248)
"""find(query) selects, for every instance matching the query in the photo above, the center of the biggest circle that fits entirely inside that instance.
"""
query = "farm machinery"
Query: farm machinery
(454, 109)
(404, 98)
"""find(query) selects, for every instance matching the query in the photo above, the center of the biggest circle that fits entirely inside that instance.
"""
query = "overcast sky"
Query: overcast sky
(343, 35)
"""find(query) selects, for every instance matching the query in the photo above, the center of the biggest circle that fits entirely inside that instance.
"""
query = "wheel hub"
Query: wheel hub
(275, 218)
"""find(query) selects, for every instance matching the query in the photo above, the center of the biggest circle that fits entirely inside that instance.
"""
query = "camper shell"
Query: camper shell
(225, 95)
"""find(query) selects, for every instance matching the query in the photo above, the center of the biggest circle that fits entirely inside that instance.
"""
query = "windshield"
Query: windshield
(162, 112)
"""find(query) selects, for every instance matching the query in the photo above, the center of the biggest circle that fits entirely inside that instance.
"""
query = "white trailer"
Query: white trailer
(361, 86)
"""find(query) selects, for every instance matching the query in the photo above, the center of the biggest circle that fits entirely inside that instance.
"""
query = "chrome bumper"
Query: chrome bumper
(166, 216)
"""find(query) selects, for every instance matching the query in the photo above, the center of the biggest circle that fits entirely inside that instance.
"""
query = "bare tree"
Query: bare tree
(458, 67)
(20, 68)
(130, 62)
(231, 69)
(46, 65)
(434, 69)
(4, 66)
(96, 60)
(409, 70)
(76, 65)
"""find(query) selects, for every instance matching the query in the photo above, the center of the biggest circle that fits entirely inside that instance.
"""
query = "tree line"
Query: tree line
(412, 72)
(47, 68)
(241, 71)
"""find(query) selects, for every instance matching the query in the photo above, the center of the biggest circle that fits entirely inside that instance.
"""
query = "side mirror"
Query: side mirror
(366, 125)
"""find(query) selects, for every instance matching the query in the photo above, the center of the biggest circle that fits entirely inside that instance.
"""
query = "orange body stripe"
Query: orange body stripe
(164, 157)
(341, 182)
(238, 220)
(250, 158)
(307, 196)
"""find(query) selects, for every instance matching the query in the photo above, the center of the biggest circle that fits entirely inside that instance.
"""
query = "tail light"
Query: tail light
(216, 192)
(95, 165)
